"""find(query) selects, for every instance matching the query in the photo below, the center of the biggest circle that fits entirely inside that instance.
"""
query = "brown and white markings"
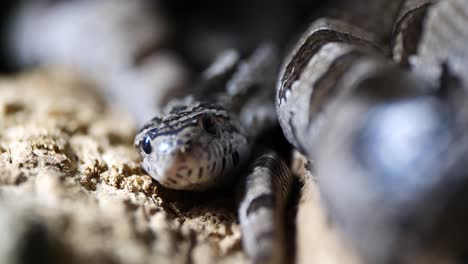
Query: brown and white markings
(433, 33)
(262, 209)
(408, 29)
(330, 58)
(387, 144)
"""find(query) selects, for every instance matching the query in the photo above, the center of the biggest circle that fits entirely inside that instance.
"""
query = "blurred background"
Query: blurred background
(198, 29)
(142, 53)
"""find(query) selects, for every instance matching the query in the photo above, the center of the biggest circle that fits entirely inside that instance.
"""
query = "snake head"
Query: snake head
(193, 147)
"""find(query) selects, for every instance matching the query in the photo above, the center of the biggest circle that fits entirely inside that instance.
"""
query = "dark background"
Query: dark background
(6, 11)
(203, 28)
(241, 24)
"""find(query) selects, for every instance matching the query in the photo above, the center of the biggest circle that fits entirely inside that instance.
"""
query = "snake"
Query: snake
(372, 93)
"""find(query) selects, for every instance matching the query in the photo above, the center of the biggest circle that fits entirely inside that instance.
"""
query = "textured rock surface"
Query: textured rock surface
(71, 188)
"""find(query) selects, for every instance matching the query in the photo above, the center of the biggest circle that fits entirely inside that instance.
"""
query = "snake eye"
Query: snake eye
(208, 124)
(146, 145)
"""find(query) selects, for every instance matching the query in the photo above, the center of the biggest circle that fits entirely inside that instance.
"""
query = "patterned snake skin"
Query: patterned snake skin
(386, 138)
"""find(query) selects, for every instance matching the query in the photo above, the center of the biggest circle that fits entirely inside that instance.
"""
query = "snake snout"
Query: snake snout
(174, 163)
(195, 166)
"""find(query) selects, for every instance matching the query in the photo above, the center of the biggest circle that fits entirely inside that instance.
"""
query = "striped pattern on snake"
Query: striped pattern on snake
(331, 57)
(265, 194)
(432, 33)
(383, 140)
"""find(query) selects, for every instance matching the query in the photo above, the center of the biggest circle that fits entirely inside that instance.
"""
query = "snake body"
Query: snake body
(311, 76)
(386, 141)
(264, 198)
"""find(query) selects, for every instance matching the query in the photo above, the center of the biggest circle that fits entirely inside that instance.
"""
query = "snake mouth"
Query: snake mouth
(171, 169)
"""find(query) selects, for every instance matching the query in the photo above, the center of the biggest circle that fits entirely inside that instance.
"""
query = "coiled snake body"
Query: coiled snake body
(384, 139)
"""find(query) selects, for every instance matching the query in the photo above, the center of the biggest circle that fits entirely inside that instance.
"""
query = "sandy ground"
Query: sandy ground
(72, 191)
